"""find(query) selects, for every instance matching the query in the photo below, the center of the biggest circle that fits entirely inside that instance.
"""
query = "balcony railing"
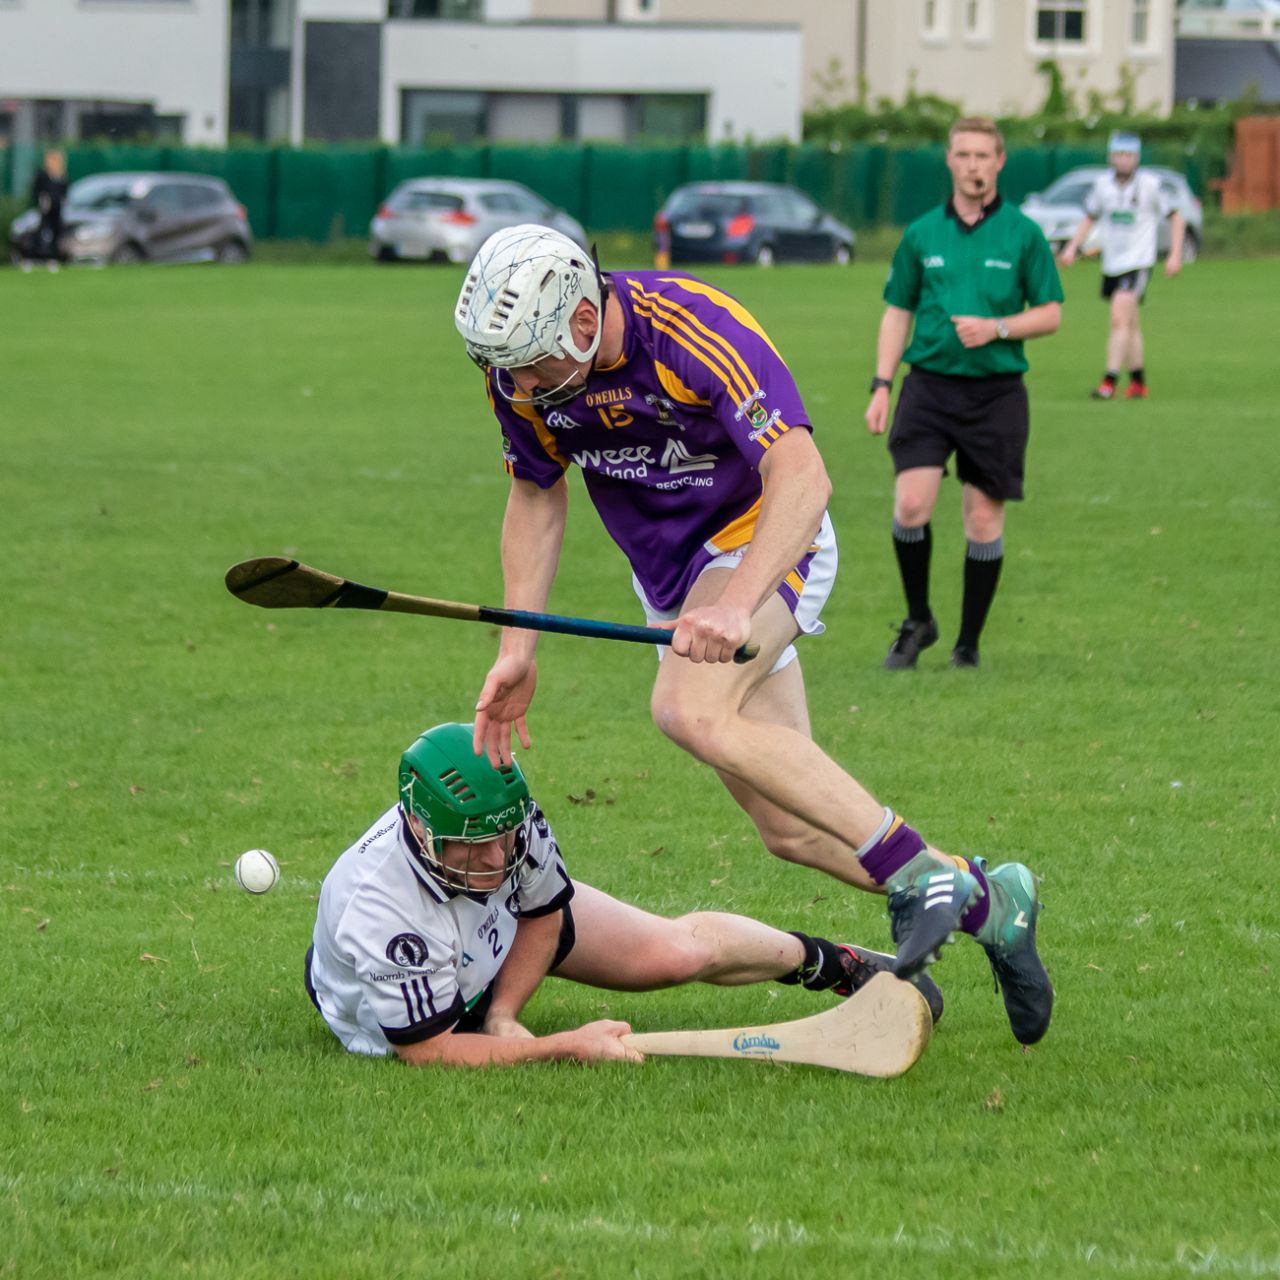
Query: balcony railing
(1229, 24)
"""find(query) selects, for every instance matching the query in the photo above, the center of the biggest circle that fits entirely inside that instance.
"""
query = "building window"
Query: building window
(261, 24)
(673, 117)
(1062, 21)
(430, 118)
(976, 19)
(1140, 25)
(442, 10)
(936, 19)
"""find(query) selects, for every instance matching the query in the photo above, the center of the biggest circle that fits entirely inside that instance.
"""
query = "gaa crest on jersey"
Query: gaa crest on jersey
(407, 951)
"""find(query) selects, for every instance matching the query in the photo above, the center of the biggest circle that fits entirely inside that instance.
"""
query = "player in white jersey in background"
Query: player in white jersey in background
(1128, 206)
(436, 927)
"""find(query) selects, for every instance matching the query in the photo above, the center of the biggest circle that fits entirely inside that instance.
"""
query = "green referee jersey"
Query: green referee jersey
(943, 268)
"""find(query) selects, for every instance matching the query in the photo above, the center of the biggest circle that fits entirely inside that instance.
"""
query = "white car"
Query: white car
(1059, 209)
(450, 218)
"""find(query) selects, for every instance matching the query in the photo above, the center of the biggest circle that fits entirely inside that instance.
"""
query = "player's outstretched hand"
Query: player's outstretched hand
(1067, 256)
(711, 633)
(877, 414)
(1172, 266)
(507, 693)
(602, 1042)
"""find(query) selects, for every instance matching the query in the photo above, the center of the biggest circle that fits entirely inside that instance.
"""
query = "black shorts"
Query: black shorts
(1129, 282)
(983, 421)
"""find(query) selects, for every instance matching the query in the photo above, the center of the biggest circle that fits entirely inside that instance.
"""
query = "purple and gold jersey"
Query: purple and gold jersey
(668, 439)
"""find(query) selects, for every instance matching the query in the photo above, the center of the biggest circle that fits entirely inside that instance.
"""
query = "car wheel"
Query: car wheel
(843, 255)
(1190, 246)
(765, 256)
(127, 255)
(386, 253)
(233, 252)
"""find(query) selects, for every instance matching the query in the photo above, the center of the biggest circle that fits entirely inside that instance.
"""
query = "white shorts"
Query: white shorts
(805, 589)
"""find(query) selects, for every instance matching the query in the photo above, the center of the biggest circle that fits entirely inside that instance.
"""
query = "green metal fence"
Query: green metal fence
(324, 193)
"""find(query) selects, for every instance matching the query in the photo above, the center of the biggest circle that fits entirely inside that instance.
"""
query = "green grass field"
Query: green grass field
(175, 1108)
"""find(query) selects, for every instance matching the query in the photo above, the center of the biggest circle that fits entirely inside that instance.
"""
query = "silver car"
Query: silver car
(146, 217)
(451, 218)
(1059, 209)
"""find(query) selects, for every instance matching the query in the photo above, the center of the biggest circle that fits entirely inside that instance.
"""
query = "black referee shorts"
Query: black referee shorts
(983, 421)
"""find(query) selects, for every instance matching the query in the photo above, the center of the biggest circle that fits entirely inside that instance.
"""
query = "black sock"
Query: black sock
(1110, 377)
(822, 967)
(1138, 377)
(982, 564)
(913, 547)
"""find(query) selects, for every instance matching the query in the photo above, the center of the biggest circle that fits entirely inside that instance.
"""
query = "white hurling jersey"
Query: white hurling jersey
(398, 959)
(1128, 215)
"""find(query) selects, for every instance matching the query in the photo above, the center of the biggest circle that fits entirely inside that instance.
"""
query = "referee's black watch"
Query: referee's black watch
(877, 383)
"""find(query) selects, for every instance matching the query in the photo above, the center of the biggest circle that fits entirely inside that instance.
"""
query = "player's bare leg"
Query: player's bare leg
(932, 895)
(779, 699)
(1137, 389)
(619, 947)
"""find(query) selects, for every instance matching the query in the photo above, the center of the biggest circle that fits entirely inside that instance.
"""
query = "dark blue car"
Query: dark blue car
(760, 222)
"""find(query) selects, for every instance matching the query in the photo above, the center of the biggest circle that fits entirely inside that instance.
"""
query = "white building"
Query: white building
(399, 71)
(409, 71)
(76, 68)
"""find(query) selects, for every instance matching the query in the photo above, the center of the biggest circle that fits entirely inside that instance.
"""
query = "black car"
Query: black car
(760, 222)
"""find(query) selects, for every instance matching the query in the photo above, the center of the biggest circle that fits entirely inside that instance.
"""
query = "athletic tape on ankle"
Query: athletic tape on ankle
(878, 834)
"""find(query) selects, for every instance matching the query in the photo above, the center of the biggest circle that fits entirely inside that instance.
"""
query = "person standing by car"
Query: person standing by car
(1127, 204)
(48, 194)
(970, 282)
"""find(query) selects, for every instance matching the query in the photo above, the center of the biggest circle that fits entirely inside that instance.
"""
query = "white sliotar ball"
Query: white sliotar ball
(257, 871)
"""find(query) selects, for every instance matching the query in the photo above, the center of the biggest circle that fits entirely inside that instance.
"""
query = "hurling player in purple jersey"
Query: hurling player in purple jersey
(698, 454)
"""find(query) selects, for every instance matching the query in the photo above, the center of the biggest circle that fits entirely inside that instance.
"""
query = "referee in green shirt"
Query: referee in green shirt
(976, 278)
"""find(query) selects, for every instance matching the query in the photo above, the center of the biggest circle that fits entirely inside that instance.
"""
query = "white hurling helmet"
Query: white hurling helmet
(520, 293)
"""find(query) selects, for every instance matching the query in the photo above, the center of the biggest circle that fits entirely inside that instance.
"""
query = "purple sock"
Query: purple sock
(976, 916)
(892, 852)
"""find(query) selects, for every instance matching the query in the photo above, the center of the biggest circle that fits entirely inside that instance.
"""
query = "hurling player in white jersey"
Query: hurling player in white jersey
(438, 924)
(1128, 206)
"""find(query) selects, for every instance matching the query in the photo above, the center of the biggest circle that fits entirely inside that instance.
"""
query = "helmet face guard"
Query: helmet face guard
(545, 398)
(455, 795)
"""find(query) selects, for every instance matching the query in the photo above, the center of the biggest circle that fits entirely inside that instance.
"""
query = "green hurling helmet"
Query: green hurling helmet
(458, 795)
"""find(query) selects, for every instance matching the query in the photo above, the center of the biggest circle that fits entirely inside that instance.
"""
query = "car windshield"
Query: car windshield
(1072, 192)
(705, 204)
(101, 195)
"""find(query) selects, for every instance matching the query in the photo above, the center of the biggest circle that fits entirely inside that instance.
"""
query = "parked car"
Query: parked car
(760, 222)
(1060, 207)
(450, 218)
(145, 217)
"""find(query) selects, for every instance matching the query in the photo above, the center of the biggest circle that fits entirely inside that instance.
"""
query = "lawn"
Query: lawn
(175, 1108)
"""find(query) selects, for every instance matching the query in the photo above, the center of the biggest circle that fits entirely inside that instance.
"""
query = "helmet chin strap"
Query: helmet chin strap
(567, 390)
